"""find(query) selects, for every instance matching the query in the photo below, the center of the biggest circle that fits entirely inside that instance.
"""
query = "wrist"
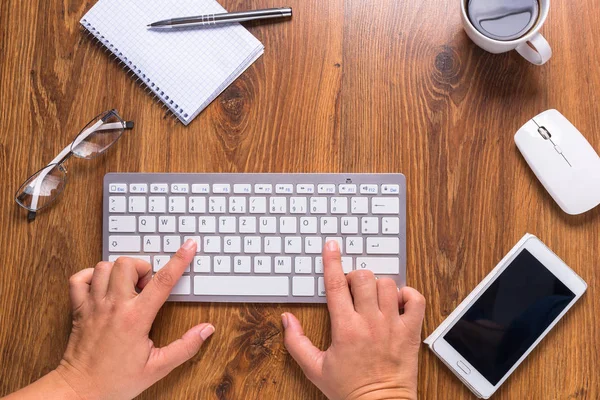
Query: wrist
(383, 392)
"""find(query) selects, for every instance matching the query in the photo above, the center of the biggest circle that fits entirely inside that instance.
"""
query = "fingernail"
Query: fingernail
(332, 245)
(284, 320)
(207, 331)
(398, 288)
(189, 244)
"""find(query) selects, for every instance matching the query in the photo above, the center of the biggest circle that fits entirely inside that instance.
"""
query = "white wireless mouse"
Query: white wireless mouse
(563, 160)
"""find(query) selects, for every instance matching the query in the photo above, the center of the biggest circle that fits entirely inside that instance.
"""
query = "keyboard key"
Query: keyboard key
(247, 225)
(339, 241)
(217, 205)
(121, 223)
(180, 188)
(241, 285)
(347, 264)
(354, 245)
(237, 205)
(293, 245)
(313, 244)
(196, 239)
(288, 225)
(390, 225)
(212, 244)
(277, 205)
(268, 225)
(147, 224)
(303, 265)
(284, 189)
(241, 188)
(187, 224)
(201, 188)
(385, 205)
(197, 205)
(151, 244)
(262, 265)
(383, 245)
(113, 258)
(321, 286)
(349, 225)
(171, 243)
(183, 286)
(263, 188)
(158, 204)
(339, 205)
(390, 189)
(379, 265)
(370, 225)
(124, 244)
(258, 205)
(201, 264)
(360, 205)
(177, 204)
(221, 188)
(166, 224)
(159, 188)
(318, 205)
(326, 189)
(117, 204)
(369, 189)
(252, 244)
(303, 188)
(137, 204)
(298, 205)
(283, 265)
(318, 265)
(222, 265)
(241, 265)
(138, 188)
(308, 225)
(160, 261)
(273, 245)
(227, 224)
(329, 225)
(232, 244)
(117, 188)
(303, 286)
(347, 189)
(207, 225)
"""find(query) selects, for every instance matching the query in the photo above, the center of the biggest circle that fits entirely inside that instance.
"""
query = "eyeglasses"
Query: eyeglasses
(43, 187)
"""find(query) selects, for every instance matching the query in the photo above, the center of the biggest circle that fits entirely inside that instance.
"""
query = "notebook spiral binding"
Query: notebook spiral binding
(140, 77)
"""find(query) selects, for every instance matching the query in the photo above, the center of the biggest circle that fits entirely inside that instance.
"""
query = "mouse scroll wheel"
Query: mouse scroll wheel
(544, 133)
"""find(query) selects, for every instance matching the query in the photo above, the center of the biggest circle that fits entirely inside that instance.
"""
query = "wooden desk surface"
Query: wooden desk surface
(346, 86)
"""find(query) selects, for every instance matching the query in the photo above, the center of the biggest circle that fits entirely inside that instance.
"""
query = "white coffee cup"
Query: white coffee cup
(539, 54)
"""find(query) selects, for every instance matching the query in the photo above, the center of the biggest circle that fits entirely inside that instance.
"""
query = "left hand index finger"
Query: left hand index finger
(159, 288)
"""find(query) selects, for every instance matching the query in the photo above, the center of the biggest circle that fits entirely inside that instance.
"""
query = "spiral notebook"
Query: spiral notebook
(185, 69)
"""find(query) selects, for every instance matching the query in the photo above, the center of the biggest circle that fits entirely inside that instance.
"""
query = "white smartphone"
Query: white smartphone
(507, 316)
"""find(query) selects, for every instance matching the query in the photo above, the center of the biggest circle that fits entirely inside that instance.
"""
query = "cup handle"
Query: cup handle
(538, 55)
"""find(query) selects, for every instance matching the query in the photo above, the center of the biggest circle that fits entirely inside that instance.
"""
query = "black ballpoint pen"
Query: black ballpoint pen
(224, 18)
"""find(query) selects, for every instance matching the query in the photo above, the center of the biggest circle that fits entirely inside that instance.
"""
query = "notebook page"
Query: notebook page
(186, 68)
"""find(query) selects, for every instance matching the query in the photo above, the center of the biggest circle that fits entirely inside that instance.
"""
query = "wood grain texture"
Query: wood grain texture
(347, 85)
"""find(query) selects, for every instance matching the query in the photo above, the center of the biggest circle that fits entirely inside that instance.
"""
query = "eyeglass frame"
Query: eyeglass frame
(67, 152)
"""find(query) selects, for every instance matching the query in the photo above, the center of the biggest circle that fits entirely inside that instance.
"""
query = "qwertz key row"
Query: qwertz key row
(259, 236)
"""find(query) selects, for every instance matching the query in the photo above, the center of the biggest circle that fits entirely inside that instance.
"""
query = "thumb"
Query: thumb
(308, 357)
(165, 359)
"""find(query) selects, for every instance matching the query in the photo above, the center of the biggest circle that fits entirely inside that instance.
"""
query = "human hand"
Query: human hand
(109, 354)
(374, 349)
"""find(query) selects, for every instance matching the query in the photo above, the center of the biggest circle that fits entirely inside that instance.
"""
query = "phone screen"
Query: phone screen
(509, 316)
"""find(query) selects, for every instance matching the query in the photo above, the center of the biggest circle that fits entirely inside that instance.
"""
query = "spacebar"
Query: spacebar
(241, 285)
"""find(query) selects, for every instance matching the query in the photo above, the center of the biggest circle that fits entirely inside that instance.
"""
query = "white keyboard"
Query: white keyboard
(259, 236)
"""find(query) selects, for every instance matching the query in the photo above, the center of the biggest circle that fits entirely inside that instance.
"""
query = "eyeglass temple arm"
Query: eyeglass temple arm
(98, 126)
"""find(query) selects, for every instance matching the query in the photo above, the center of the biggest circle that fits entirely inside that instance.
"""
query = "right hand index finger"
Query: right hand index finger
(156, 292)
(339, 300)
